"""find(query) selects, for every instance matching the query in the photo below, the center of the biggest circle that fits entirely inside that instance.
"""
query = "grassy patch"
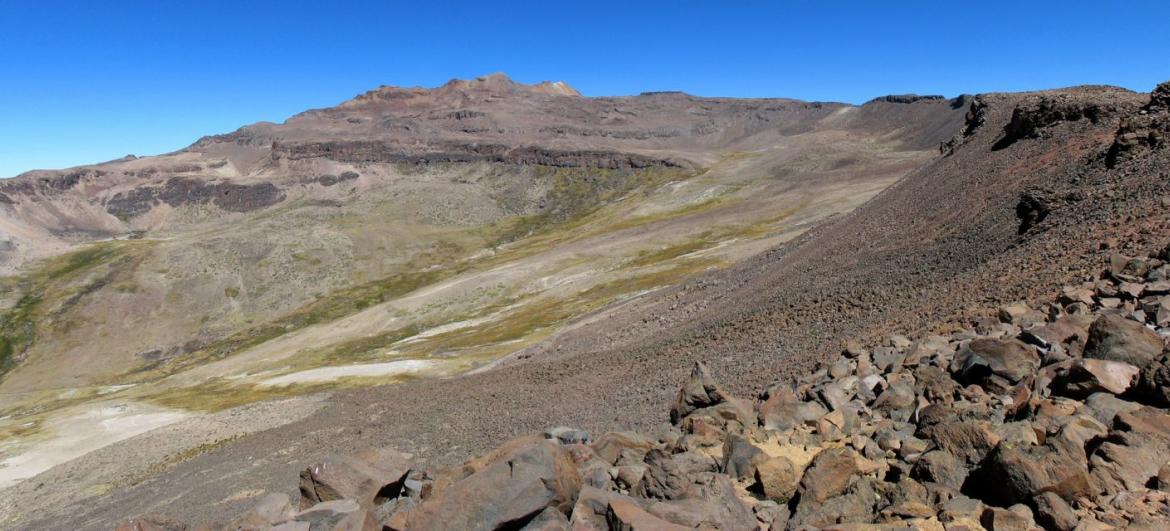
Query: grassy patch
(52, 287)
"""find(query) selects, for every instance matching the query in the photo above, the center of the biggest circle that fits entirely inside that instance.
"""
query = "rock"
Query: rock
(886, 359)
(630, 476)
(961, 508)
(856, 502)
(713, 504)
(626, 516)
(1087, 376)
(358, 477)
(969, 440)
(550, 519)
(897, 402)
(939, 466)
(511, 490)
(1009, 359)
(1154, 381)
(1020, 314)
(740, 457)
(592, 508)
(783, 412)
(778, 478)
(1015, 475)
(1018, 433)
(1130, 456)
(830, 474)
(609, 447)
(1053, 512)
(673, 476)
(328, 514)
(1105, 407)
(701, 391)
(272, 509)
(1116, 338)
(1016, 518)
(567, 435)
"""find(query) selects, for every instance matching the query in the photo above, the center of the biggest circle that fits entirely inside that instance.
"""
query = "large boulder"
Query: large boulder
(1081, 378)
(358, 477)
(778, 478)
(1008, 359)
(624, 515)
(674, 476)
(1012, 475)
(1115, 338)
(703, 397)
(700, 391)
(509, 492)
(830, 474)
(1130, 456)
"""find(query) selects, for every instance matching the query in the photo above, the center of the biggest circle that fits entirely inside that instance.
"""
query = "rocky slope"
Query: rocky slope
(990, 221)
(1052, 417)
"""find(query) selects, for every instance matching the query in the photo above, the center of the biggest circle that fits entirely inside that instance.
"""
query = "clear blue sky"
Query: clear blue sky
(86, 81)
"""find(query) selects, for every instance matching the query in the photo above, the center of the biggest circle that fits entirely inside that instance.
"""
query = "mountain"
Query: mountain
(576, 254)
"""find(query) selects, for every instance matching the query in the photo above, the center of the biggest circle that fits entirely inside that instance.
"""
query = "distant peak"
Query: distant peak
(500, 83)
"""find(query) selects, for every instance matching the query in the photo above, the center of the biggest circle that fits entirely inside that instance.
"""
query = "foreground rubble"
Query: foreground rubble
(1050, 417)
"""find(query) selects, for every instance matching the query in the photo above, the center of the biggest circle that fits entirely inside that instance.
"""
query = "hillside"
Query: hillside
(1030, 192)
(406, 234)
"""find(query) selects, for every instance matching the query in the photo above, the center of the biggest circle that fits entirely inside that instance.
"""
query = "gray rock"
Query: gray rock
(1116, 338)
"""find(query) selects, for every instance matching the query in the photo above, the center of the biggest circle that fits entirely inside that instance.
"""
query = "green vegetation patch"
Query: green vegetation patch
(49, 289)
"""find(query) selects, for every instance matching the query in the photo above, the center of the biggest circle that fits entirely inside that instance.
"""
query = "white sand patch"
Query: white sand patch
(328, 374)
(78, 435)
(443, 329)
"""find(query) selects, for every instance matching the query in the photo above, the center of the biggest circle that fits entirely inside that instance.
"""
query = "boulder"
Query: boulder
(510, 491)
(968, 440)
(1009, 359)
(624, 515)
(550, 519)
(1014, 518)
(1130, 456)
(778, 478)
(671, 477)
(358, 477)
(830, 474)
(1105, 407)
(1083, 377)
(700, 391)
(1115, 338)
(329, 514)
(610, 446)
(940, 466)
(713, 504)
(782, 411)
(272, 509)
(1154, 381)
(740, 457)
(857, 503)
(1013, 475)
(1053, 512)
(592, 508)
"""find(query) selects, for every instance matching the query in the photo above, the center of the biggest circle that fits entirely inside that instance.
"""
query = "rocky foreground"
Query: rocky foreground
(1052, 417)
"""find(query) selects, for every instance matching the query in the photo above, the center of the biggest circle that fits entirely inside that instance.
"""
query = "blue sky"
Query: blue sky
(86, 81)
